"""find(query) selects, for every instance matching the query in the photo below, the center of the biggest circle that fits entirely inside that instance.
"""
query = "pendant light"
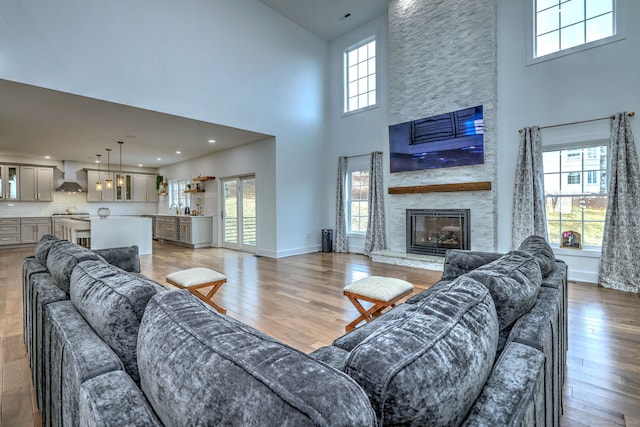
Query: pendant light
(108, 182)
(99, 181)
(120, 176)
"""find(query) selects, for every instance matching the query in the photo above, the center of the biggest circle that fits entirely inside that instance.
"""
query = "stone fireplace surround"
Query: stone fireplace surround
(479, 202)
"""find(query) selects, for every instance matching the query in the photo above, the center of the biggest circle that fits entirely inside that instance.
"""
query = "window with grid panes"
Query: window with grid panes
(177, 194)
(357, 201)
(360, 76)
(564, 24)
(575, 184)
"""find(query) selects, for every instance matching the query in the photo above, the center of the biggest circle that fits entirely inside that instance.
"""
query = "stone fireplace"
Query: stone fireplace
(434, 231)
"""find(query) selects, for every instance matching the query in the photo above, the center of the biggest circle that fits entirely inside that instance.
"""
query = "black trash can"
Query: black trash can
(327, 240)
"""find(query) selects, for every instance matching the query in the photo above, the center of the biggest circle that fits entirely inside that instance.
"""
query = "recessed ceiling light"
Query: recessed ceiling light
(47, 157)
(158, 159)
(139, 165)
(178, 152)
(212, 141)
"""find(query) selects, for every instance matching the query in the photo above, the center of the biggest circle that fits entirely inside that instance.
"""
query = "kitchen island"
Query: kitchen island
(110, 232)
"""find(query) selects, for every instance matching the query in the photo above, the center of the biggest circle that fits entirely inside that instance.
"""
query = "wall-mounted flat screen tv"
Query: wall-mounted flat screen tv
(442, 141)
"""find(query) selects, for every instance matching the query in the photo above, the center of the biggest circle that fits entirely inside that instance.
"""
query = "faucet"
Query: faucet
(173, 205)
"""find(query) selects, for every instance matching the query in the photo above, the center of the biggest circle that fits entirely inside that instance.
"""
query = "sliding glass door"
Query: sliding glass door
(239, 213)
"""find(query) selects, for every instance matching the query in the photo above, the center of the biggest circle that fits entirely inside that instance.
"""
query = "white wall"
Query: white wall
(356, 133)
(256, 158)
(235, 63)
(588, 84)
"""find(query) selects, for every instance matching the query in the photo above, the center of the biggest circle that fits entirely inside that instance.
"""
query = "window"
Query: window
(563, 24)
(576, 193)
(360, 76)
(357, 201)
(176, 193)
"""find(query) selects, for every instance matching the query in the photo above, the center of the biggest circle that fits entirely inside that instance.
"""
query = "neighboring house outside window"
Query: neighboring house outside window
(576, 193)
(360, 76)
(357, 201)
(564, 24)
(177, 194)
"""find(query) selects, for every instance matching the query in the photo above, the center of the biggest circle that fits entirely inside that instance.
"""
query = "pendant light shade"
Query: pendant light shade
(99, 181)
(120, 176)
(108, 182)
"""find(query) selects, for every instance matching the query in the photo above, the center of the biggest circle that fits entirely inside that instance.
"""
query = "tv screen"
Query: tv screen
(442, 141)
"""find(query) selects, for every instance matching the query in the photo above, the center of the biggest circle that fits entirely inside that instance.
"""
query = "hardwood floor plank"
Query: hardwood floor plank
(299, 301)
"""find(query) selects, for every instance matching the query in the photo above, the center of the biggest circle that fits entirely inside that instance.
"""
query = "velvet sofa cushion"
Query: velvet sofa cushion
(540, 249)
(126, 257)
(458, 262)
(63, 258)
(198, 367)
(113, 302)
(331, 355)
(112, 399)
(427, 367)
(43, 247)
(513, 280)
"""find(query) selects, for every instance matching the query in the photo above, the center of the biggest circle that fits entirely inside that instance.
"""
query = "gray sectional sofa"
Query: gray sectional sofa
(109, 347)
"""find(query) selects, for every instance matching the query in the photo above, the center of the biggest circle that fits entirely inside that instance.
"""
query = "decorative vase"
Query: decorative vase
(103, 212)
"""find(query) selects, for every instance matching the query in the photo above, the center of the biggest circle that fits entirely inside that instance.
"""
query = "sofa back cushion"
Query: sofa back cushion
(113, 302)
(458, 262)
(514, 281)
(44, 246)
(540, 249)
(63, 258)
(125, 257)
(198, 367)
(427, 367)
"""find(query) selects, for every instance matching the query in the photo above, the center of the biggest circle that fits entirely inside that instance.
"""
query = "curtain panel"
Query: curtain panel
(375, 239)
(619, 267)
(341, 220)
(529, 216)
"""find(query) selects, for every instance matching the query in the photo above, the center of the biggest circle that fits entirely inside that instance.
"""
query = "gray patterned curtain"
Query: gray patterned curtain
(529, 216)
(375, 239)
(341, 220)
(619, 267)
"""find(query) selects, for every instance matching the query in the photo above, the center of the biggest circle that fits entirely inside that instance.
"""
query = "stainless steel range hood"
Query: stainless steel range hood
(70, 185)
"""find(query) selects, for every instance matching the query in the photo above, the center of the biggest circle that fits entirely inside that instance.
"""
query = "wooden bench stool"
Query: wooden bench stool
(193, 279)
(382, 292)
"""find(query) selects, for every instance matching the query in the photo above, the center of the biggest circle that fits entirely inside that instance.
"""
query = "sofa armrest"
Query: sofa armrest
(458, 262)
(513, 394)
(112, 399)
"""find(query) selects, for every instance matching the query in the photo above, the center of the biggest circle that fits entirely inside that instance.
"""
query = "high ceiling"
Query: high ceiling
(328, 19)
(37, 122)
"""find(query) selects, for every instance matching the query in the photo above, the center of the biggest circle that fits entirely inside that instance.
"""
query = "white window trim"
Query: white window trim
(619, 6)
(345, 92)
(586, 251)
(355, 164)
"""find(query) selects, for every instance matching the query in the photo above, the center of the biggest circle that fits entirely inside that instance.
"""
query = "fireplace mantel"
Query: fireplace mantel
(442, 188)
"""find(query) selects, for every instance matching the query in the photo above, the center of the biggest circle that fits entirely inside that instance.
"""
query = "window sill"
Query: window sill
(582, 253)
(360, 110)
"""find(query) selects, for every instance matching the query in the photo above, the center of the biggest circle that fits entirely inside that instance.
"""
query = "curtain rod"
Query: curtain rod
(630, 114)
(361, 155)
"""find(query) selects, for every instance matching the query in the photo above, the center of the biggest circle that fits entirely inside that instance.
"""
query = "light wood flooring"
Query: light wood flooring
(299, 301)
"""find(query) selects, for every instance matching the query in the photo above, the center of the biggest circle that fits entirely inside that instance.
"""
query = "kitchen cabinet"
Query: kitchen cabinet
(144, 188)
(36, 184)
(124, 192)
(106, 195)
(192, 231)
(9, 182)
(9, 231)
(32, 229)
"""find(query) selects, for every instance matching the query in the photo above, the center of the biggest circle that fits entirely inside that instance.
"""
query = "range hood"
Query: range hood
(70, 184)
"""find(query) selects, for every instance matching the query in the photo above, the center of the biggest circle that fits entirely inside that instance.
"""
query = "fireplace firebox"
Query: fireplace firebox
(434, 231)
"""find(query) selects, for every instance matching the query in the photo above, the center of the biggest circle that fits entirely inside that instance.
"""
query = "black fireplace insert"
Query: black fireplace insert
(434, 231)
